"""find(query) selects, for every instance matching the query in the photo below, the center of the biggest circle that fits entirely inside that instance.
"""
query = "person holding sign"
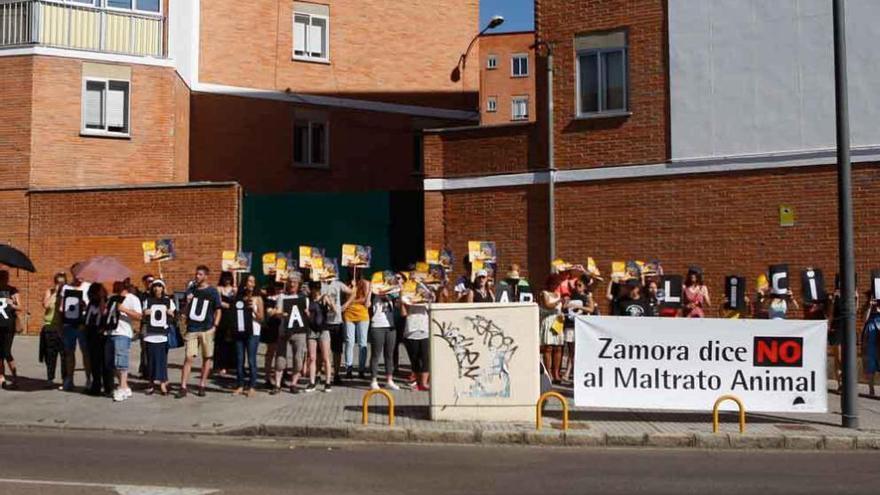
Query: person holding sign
(319, 337)
(125, 313)
(202, 317)
(74, 300)
(552, 326)
(248, 313)
(10, 305)
(271, 331)
(696, 294)
(414, 308)
(95, 320)
(580, 303)
(51, 344)
(224, 342)
(159, 310)
(479, 291)
(357, 322)
(871, 334)
(293, 307)
(383, 339)
(634, 304)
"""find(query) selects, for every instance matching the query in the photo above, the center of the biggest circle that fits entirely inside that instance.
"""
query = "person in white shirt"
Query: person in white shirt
(124, 312)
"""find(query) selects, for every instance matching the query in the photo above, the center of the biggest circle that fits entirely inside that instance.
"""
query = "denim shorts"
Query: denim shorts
(121, 352)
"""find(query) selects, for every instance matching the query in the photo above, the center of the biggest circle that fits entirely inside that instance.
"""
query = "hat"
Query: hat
(482, 273)
(633, 282)
(513, 271)
(157, 282)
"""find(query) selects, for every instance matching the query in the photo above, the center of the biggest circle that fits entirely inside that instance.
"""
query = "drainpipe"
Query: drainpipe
(551, 161)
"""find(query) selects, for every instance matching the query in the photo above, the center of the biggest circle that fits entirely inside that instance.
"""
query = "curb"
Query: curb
(479, 436)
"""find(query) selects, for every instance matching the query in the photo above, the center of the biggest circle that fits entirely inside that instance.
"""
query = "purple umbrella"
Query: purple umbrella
(102, 269)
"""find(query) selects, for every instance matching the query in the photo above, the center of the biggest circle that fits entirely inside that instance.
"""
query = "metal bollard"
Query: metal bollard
(742, 412)
(539, 409)
(366, 403)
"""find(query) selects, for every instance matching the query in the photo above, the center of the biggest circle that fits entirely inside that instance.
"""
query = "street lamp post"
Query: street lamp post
(496, 21)
(849, 394)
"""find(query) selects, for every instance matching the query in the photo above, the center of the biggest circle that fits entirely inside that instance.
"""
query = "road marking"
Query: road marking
(120, 489)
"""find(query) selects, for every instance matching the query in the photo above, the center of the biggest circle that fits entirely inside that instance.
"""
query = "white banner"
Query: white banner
(687, 363)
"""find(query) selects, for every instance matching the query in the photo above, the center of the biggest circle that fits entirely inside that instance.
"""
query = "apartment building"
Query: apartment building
(681, 130)
(507, 78)
(222, 124)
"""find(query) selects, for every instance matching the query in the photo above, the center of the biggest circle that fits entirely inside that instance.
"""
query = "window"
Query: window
(519, 65)
(310, 37)
(492, 104)
(601, 74)
(519, 108)
(492, 62)
(105, 107)
(142, 5)
(310, 143)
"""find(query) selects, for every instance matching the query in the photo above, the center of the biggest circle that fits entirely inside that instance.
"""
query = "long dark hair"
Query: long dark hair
(226, 278)
(699, 276)
(242, 288)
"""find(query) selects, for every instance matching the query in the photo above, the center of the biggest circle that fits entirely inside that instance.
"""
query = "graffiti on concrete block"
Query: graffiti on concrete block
(483, 353)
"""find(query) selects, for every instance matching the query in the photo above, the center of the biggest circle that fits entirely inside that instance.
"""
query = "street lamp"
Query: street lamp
(496, 21)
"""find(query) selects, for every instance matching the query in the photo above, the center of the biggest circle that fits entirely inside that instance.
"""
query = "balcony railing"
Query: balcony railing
(67, 25)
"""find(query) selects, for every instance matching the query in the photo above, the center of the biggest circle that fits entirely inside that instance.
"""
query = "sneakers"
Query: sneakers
(327, 388)
(120, 395)
(349, 374)
(182, 393)
(127, 393)
(310, 388)
(375, 385)
(392, 386)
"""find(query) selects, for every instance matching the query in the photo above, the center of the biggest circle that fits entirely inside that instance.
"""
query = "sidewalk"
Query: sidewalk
(338, 415)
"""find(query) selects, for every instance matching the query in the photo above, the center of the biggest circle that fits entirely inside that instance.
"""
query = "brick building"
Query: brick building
(678, 136)
(507, 77)
(221, 124)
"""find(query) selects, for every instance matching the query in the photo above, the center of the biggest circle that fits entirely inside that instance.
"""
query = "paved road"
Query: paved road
(68, 463)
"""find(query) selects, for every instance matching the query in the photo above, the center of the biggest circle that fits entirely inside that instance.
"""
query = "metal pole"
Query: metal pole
(850, 395)
(551, 163)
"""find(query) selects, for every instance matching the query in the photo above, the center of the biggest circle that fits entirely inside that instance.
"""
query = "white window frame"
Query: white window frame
(513, 102)
(86, 131)
(602, 95)
(513, 59)
(492, 62)
(308, 153)
(307, 57)
(134, 4)
(492, 104)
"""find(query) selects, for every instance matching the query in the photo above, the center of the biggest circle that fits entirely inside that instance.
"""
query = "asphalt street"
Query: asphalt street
(67, 463)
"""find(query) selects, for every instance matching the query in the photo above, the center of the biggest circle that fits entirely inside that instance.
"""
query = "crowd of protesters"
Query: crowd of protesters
(324, 332)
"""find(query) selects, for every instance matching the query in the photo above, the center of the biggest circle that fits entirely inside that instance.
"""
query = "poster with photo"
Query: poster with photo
(160, 250)
(329, 269)
(356, 256)
(236, 261)
(481, 251)
(307, 255)
(478, 265)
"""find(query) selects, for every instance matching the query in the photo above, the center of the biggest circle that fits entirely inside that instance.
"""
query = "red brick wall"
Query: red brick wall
(499, 82)
(639, 138)
(66, 227)
(61, 157)
(725, 223)
(379, 49)
(15, 124)
(251, 141)
(480, 151)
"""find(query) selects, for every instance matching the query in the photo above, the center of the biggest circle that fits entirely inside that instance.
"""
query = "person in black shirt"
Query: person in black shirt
(159, 311)
(579, 303)
(480, 292)
(635, 304)
(9, 306)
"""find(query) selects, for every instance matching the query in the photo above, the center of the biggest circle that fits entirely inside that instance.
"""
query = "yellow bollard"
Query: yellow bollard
(742, 412)
(539, 409)
(366, 403)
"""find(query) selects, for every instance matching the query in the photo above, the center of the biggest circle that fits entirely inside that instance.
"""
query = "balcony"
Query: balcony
(59, 24)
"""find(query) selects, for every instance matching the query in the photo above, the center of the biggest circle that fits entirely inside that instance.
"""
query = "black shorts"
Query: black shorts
(337, 337)
(6, 336)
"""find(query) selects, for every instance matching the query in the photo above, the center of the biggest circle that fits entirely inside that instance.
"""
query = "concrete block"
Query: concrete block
(865, 442)
(626, 439)
(285, 430)
(584, 439)
(329, 431)
(842, 442)
(671, 440)
(379, 433)
(442, 436)
(544, 437)
(712, 440)
(756, 441)
(803, 442)
(501, 437)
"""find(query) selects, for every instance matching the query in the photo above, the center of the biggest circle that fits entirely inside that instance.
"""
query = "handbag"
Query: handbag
(175, 339)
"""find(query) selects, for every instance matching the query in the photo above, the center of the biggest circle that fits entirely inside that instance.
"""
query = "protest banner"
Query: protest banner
(160, 250)
(686, 364)
(484, 364)
(481, 251)
(307, 256)
(236, 261)
(355, 256)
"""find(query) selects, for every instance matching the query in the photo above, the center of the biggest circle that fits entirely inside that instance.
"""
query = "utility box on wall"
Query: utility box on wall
(484, 362)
